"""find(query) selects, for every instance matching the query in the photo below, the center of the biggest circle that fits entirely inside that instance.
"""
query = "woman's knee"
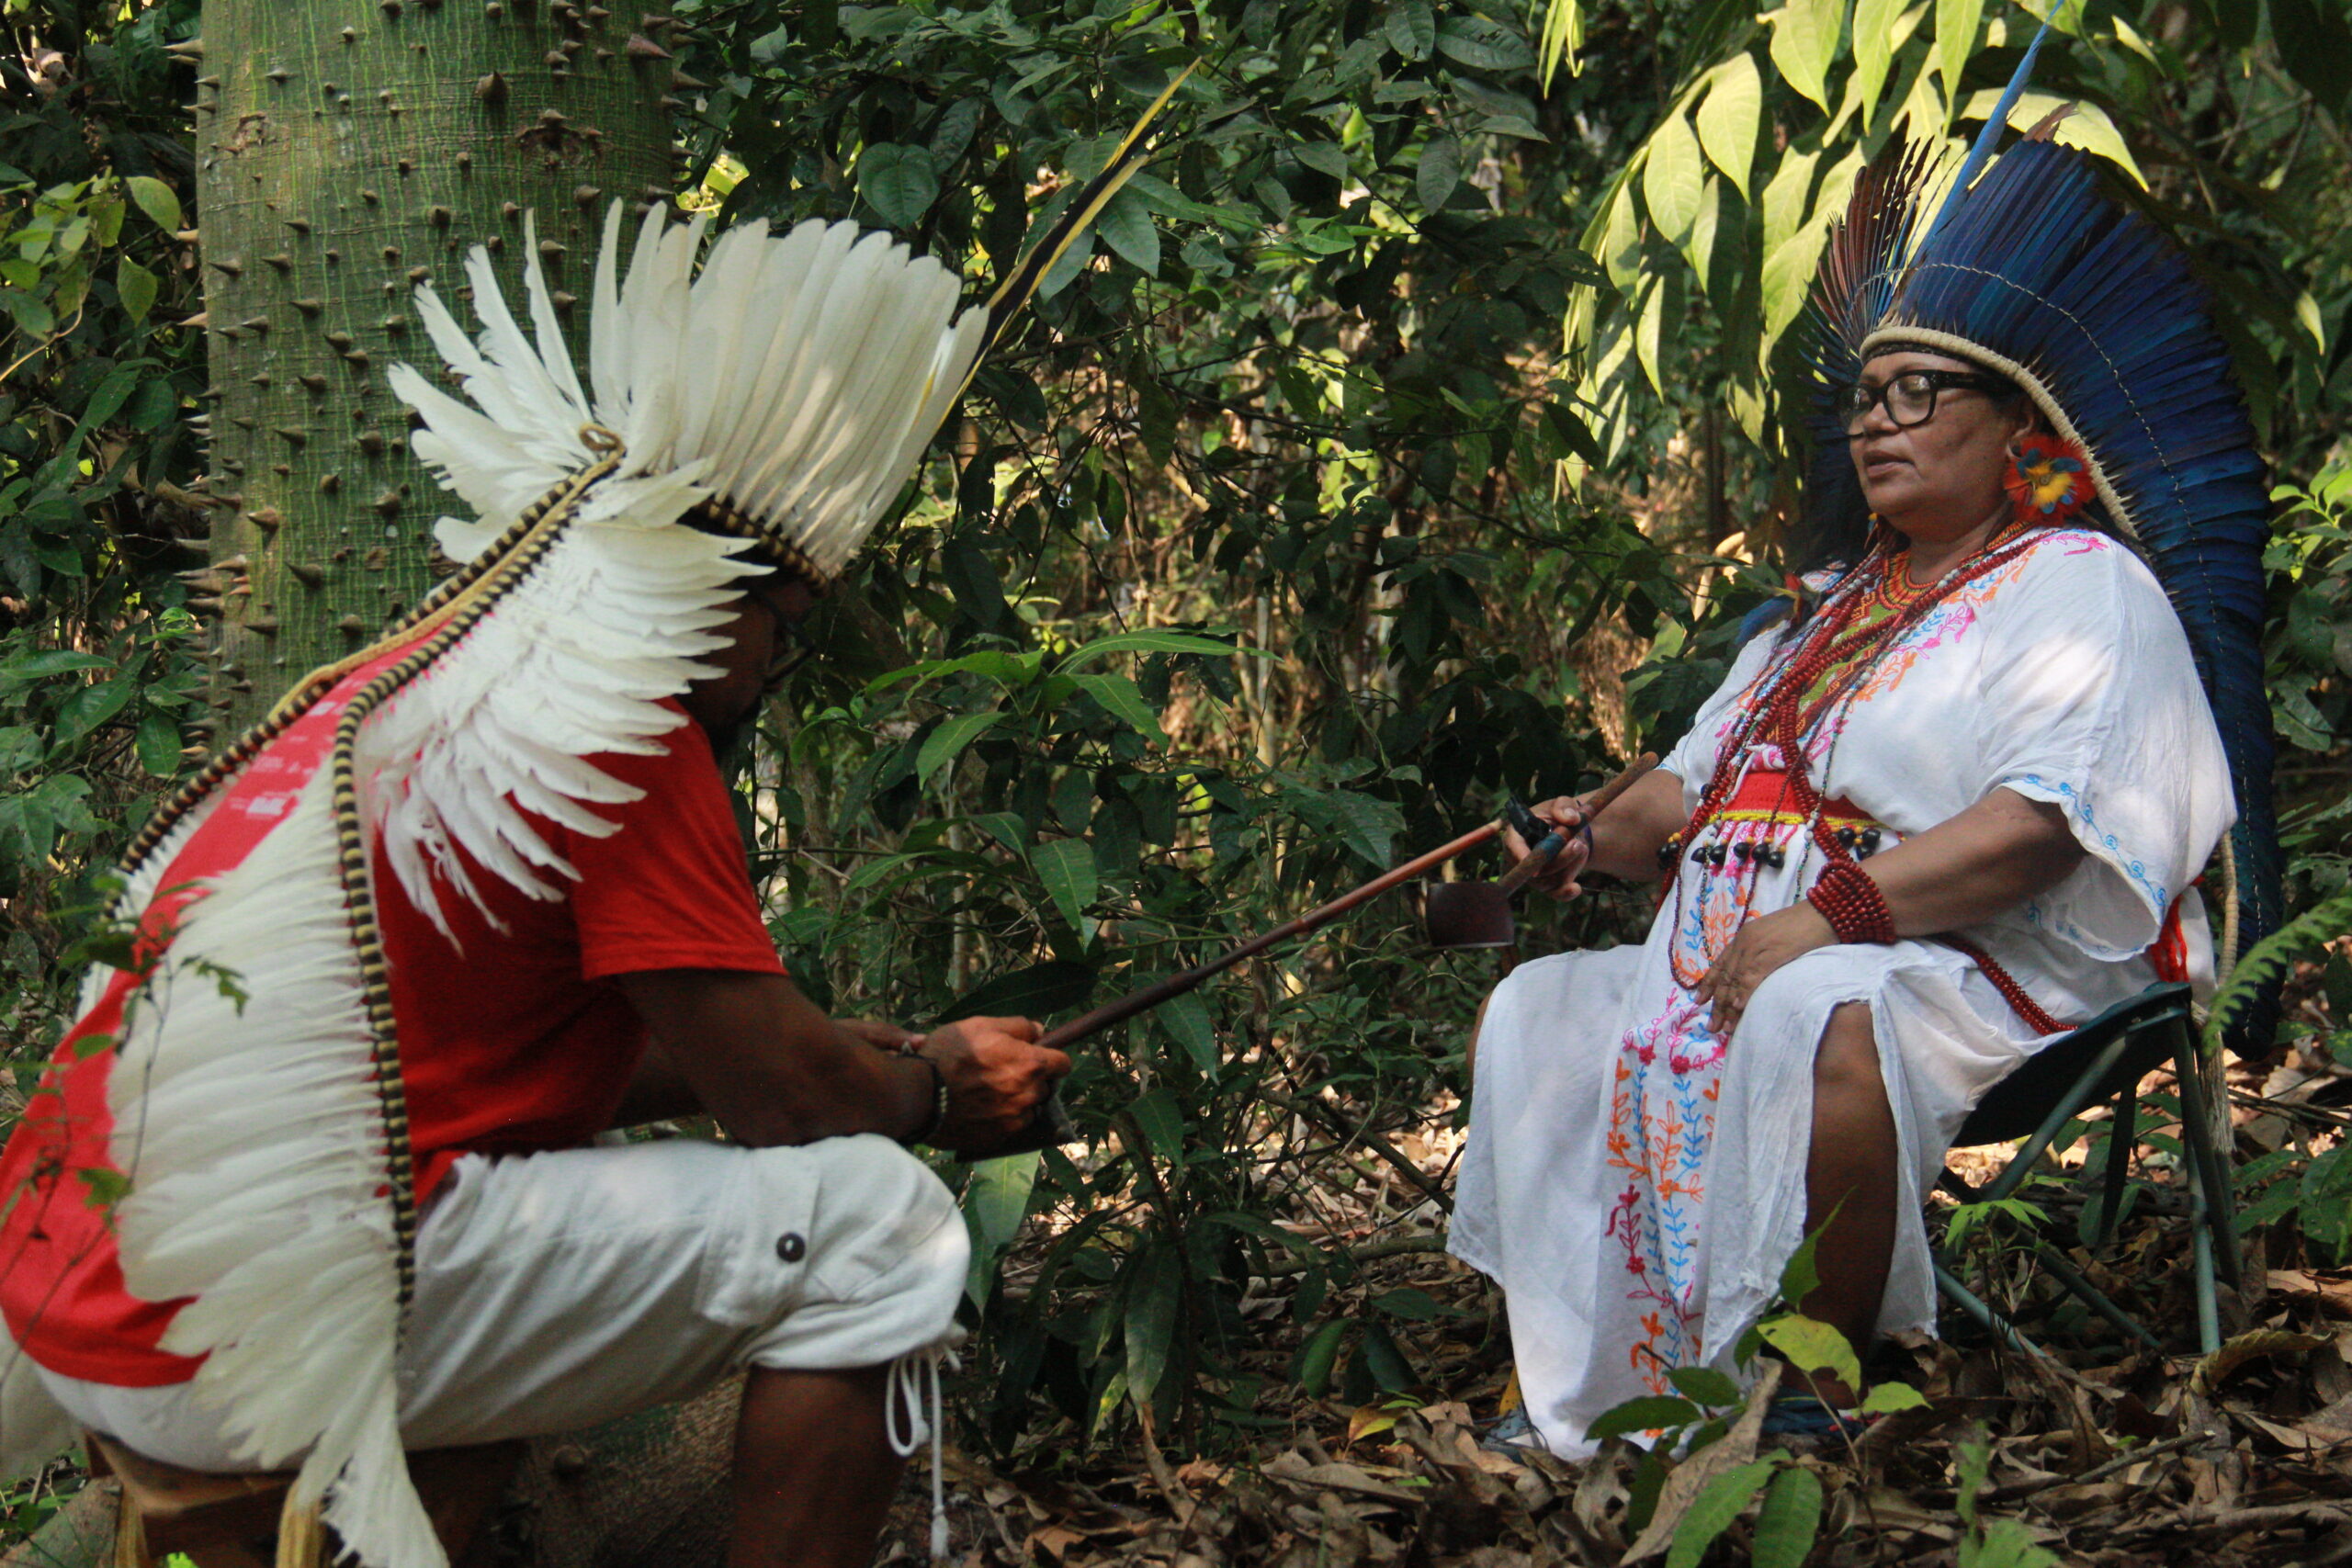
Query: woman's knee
(1847, 1058)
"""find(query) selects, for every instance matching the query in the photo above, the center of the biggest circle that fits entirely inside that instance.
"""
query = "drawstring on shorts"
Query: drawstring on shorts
(915, 1387)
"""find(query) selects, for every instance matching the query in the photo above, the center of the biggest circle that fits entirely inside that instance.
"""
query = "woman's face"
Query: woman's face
(1941, 479)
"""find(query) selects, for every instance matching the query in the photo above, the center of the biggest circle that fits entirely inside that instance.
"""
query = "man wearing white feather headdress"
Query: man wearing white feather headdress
(463, 875)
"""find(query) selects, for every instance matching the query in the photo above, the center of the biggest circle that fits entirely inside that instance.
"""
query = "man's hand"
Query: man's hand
(997, 1076)
(1762, 945)
(1559, 879)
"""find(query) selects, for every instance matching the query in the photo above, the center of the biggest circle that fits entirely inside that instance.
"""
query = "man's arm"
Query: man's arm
(773, 1069)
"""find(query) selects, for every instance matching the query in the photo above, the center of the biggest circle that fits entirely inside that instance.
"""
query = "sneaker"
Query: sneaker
(1513, 1435)
(1805, 1416)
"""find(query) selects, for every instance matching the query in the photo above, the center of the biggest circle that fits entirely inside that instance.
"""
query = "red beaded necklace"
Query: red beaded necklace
(1842, 647)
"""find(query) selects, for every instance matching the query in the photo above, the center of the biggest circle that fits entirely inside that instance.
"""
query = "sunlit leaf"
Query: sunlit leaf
(1812, 1345)
(1889, 1397)
(1672, 178)
(1805, 40)
(156, 200)
(1956, 23)
(1873, 50)
(1730, 116)
(1123, 699)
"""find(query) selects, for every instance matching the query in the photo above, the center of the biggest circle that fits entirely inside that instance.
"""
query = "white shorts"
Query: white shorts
(557, 1290)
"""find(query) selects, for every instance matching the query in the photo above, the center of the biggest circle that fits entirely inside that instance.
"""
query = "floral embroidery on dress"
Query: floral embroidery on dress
(1669, 1072)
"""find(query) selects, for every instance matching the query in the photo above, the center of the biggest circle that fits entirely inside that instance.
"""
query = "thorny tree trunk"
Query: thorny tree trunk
(348, 150)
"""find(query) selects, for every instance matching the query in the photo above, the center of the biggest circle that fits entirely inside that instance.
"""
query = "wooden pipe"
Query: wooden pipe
(1152, 996)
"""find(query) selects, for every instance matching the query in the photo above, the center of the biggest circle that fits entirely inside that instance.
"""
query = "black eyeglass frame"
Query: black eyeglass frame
(1854, 404)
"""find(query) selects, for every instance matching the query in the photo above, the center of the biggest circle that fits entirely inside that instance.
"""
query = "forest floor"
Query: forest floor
(2093, 1453)
(2099, 1454)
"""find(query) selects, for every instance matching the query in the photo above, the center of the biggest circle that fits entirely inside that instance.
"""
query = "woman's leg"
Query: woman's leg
(1850, 1185)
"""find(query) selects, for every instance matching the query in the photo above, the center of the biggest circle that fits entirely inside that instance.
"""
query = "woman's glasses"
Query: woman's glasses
(1910, 398)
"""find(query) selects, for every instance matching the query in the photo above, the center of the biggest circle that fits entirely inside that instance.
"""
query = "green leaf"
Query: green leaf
(1704, 1384)
(1323, 157)
(997, 1199)
(1730, 117)
(1319, 1355)
(57, 661)
(1162, 1123)
(1123, 699)
(1412, 28)
(1788, 277)
(1673, 177)
(1721, 1501)
(1483, 44)
(2327, 1198)
(2087, 127)
(1874, 49)
(1956, 26)
(1805, 40)
(1789, 1521)
(1889, 1397)
(1039, 992)
(1650, 1413)
(1812, 1345)
(900, 183)
(1368, 826)
(947, 743)
(135, 287)
(1127, 227)
(2005, 1544)
(1186, 1020)
(1067, 868)
(158, 745)
(1154, 1292)
(1151, 642)
(90, 707)
(1800, 1275)
(1437, 172)
(156, 200)
(1412, 1305)
(106, 1187)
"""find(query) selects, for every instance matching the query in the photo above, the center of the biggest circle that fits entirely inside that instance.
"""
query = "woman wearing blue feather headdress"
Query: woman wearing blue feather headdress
(1921, 828)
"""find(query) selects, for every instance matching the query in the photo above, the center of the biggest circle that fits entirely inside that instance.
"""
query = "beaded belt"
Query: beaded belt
(1763, 795)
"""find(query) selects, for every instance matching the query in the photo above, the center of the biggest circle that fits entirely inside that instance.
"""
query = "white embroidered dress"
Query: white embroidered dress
(1634, 1185)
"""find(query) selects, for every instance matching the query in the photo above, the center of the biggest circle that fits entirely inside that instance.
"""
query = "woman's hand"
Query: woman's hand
(1566, 813)
(1762, 945)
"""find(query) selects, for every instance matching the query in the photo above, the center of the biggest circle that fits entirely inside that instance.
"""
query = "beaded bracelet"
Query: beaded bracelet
(912, 1048)
(1850, 901)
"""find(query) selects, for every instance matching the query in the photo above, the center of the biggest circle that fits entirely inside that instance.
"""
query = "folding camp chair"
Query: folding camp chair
(2106, 1059)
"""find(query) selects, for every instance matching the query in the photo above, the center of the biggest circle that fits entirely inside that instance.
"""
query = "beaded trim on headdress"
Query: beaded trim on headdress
(2036, 275)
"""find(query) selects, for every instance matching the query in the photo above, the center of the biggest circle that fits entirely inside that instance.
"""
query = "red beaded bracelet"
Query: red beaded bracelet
(1849, 901)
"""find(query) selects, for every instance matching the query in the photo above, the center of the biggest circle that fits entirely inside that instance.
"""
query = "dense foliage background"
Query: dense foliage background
(1409, 433)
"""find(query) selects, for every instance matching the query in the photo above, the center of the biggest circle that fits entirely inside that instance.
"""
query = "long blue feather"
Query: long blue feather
(2036, 264)
(1990, 136)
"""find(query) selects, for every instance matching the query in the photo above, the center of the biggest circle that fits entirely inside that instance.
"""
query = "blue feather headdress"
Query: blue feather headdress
(2034, 273)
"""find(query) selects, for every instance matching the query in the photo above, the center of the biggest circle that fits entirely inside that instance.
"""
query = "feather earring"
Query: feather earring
(2049, 478)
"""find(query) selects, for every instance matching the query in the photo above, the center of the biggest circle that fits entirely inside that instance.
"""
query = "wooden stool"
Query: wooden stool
(231, 1521)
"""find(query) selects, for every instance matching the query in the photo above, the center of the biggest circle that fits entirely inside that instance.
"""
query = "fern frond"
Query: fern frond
(2267, 961)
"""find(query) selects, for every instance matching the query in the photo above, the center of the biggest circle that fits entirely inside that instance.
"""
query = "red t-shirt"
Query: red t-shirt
(513, 1041)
